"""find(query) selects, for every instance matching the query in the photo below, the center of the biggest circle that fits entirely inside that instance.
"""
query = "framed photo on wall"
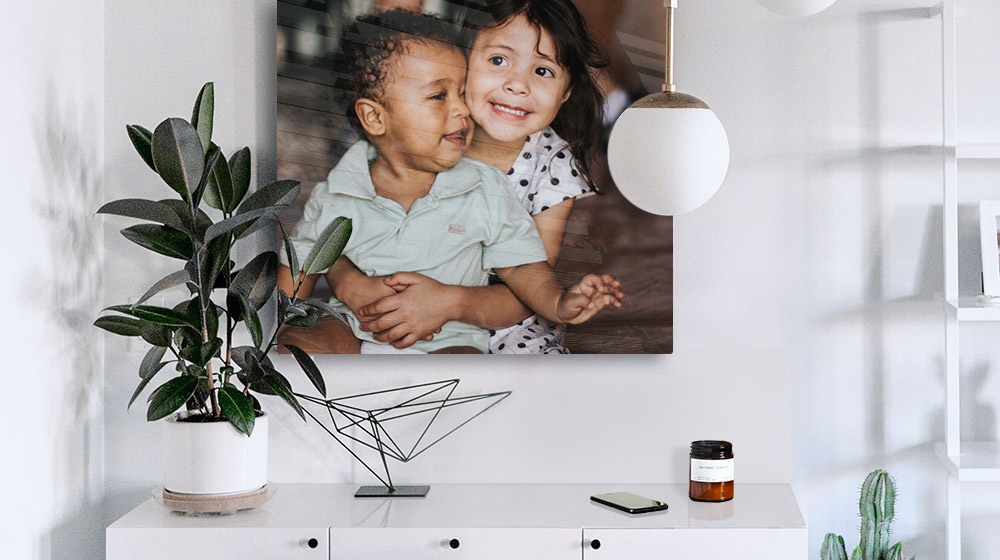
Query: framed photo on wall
(604, 233)
(989, 235)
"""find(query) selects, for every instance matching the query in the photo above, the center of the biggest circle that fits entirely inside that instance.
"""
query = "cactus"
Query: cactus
(833, 548)
(877, 508)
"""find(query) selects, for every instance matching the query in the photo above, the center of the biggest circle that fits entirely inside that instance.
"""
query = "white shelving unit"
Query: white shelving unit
(968, 461)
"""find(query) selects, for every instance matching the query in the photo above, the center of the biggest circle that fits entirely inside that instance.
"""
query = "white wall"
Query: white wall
(803, 291)
(51, 455)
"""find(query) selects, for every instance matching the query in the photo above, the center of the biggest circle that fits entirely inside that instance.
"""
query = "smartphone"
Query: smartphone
(629, 502)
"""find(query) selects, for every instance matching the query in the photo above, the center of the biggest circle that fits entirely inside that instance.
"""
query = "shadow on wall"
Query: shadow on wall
(80, 536)
(68, 151)
(899, 271)
(979, 419)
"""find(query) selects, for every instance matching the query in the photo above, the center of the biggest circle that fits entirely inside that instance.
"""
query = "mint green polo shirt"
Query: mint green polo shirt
(469, 223)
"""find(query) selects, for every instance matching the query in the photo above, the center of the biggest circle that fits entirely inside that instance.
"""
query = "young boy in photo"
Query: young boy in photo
(415, 203)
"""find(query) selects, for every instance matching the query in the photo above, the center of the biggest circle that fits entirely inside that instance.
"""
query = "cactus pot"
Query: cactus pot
(212, 458)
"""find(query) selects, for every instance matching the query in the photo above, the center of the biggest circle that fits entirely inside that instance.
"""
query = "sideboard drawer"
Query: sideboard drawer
(694, 544)
(259, 543)
(380, 543)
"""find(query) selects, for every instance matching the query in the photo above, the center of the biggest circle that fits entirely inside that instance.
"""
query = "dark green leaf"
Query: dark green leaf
(161, 239)
(203, 114)
(309, 367)
(191, 309)
(171, 396)
(279, 193)
(329, 246)
(290, 254)
(144, 210)
(158, 315)
(252, 321)
(157, 335)
(151, 362)
(248, 358)
(198, 352)
(141, 140)
(245, 218)
(196, 225)
(219, 191)
(257, 280)
(222, 280)
(301, 315)
(212, 259)
(123, 326)
(283, 304)
(213, 157)
(322, 305)
(234, 306)
(151, 365)
(178, 155)
(266, 222)
(170, 281)
(279, 386)
(238, 408)
(239, 167)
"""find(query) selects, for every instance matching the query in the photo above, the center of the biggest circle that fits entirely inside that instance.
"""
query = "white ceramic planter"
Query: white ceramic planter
(213, 457)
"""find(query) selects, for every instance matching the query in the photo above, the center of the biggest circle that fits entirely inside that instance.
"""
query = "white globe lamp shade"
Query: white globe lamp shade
(796, 8)
(668, 153)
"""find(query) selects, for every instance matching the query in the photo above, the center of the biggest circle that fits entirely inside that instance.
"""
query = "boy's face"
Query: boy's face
(427, 126)
(515, 86)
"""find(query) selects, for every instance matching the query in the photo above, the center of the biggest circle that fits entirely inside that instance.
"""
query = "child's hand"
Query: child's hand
(582, 301)
(415, 310)
(363, 292)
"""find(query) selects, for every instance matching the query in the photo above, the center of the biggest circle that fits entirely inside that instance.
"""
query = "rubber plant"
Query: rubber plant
(218, 337)
(877, 506)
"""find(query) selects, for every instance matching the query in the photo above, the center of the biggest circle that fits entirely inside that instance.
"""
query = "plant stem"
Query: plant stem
(230, 323)
(281, 320)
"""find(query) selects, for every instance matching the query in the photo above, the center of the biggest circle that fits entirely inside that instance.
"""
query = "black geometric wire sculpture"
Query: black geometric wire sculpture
(369, 413)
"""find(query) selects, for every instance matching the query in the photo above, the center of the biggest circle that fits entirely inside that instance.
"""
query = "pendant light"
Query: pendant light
(796, 8)
(668, 153)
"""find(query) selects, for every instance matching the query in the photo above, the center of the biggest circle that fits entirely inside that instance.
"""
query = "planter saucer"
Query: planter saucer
(205, 504)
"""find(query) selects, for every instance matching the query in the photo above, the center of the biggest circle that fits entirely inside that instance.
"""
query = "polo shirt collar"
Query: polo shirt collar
(352, 176)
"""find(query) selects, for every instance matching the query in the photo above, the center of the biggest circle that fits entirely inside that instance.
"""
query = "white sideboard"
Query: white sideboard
(465, 522)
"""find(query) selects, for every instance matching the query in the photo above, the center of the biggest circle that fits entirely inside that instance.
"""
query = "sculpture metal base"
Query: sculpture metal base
(395, 492)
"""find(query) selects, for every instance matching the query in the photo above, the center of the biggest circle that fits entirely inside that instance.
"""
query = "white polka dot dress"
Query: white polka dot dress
(543, 175)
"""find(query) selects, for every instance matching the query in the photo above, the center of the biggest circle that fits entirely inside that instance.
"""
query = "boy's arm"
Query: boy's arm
(423, 304)
(488, 307)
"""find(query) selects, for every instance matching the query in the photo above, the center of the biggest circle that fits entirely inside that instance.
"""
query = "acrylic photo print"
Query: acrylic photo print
(547, 168)
(989, 236)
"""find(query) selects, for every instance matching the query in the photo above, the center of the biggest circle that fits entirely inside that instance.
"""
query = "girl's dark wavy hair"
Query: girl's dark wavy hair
(370, 46)
(580, 119)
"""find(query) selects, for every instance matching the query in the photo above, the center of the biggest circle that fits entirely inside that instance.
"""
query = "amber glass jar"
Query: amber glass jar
(711, 471)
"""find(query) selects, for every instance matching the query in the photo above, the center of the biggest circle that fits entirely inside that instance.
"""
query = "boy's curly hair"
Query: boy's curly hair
(369, 49)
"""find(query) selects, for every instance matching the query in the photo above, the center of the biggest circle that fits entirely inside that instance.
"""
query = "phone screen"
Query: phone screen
(629, 502)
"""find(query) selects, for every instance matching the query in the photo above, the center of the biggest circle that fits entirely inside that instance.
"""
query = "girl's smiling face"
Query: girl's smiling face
(515, 84)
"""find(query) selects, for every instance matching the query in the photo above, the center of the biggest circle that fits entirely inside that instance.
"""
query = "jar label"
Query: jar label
(714, 470)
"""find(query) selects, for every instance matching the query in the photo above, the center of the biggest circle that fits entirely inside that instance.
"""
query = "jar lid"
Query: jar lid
(712, 447)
